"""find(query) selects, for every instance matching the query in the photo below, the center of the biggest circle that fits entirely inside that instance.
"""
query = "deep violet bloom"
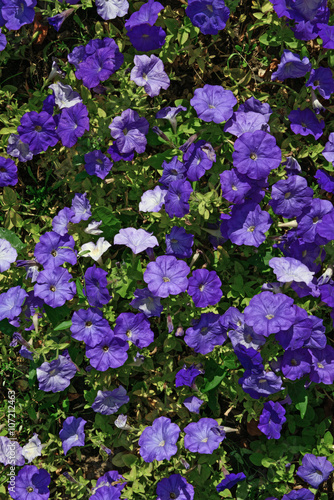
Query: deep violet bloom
(196, 159)
(90, 326)
(256, 106)
(314, 470)
(269, 313)
(61, 220)
(109, 353)
(96, 287)
(158, 442)
(210, 16)
(3, 41)
(145, 37)
(147, 14)
(166, 276)
(200, 436)
(8, 255)
(57, 20)
(272, 419)
(289, 197)
(292, 166)
(295, 363)
(56, 375)
(49, 253)
(322, 79)
(328, 151)
(176, 201)
(256, 154)
(325, 180)
(186, 376)
(230, 481)
(18, 149)
(38, 130)
(149, 72)
(135, 328)
(213, 103)
(305, 122)
(72, 433)
(116, 155)
(110, 9)
(11, 302)
(172, 171)
(136, 239)
(174, 486)
(248, 225)
(326, 228)
(72, 124)
(326, 33)
(302, 494)
(96, 163)
(206, 333)
(234, 186)
(322, 368)
(146, 303)
(104, 59)
(129, 130)
(111, 477)
(31, 483)
(54, 288)
(291, 66)
(179, 243)
(259, 383)
(204, 288)
(17, 13)
(8, 172)
(242, 122)
(245, 335)
(17, 458)
(288, 269)
(250, 358)
(109, 402)
(81, 208)
(311, 219)
(152, 200)
(193, 404)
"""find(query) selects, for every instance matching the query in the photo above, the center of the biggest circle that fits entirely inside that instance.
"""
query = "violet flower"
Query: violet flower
(149, 73)
(213, 103)
(72, 433)
(158, 442)
(56, 375)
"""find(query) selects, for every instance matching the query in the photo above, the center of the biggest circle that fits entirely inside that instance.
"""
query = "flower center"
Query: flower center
(204, 440)
(320, 365)
(52, 288)
(253, 156)
(165, 279)
(145, 76)
(210, 8)
(316, 83)
(251, 229)
(270, 316)
(30, 489)
(172, 495)
(173, 240)
(262, 380)
(125, 131)
(201, 288)
(52, 374)
(304, 253)
(315, 220)
(204, 330)
(88, 323)
(162, 443)
(173, 171)
(303, 124)
(318, 472)
(249, 338)
(211, 106)
(38, 128)
(234, 188)
(54, 253)
(106, 348)
(129, 333)
(2, 169)
(294, 362)
(287, 195)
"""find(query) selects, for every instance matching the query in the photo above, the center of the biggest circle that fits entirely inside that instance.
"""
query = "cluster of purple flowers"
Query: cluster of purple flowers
(141, 29)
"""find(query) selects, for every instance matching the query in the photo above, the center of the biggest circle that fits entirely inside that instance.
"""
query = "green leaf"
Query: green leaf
(110, 224)
(12, 238)
(56, 314)
(129, 459)
(299, 396)
(6, 327)
(63, 326)
(256, 458)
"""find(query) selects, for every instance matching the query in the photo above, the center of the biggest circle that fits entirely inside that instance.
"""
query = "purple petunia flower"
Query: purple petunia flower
(72, 433)
(204, 288)
(31, 483)
(146, 303)
(110, 478)
(259, 383)
(176, 201)
(213, 103)
(149, 73)
(250, 358)
(11, 452)
(206, 333)
(109, 353)
(248, 225)
(200, 436)
(174, 486)
(179, 243)
(110, 9)
(169, 113)
(305, 122)
(38, 130)
(193, 404)
(256, 154)
(72, 124)
(147, 14)
(61, 220)
(166, 276)
(129, 130)
(145, 37)
(314, 470)
(272, 419)
(105, 493)
(288, 269)
(234, 186)
(242, 122)
(302, 494)
(96, 163)
(291, 66)
(311, 219)
(96, 287)
(19, 150)
(326, 228)
(134, 327)
(186, 376)
(172, 171)
(8, 172)
(57, 20)
(289, 197)
(8, 255)
(269, 313)
(210, 16)
(322, 79)
(11, 302)
(136, 239)
(109, 402)
(55, 375)
(230, 481)
(3, 41)
(197, 161)
(90, 326)
(152, 200)
(17, 13)
(54, 288)
(292, 166)
(326, 33)
(158, 442)
(50, 251)
(256, 106)
(296, 363)
(81, 208)
(64, 95)
(325, 180)
(322, 368)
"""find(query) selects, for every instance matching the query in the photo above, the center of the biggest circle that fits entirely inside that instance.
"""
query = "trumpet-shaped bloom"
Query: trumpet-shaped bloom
(129, 130)
(11, 302)
(72, 124)
(17, 13)
(248, 225)
(176, 201)
(81, 208)
(96, 163)
(8, 255)
(31, 483)
(213, 103)
(315, 470)
(201, 436)
(96, 286)
(204, 288)
(90, 326)
(166, 276)
(230, 481)
(95, 251)
(56, 375)
(305, 122)
(291, 66)
(197, 160)
(289, 197)
(134, 328)
(38, 130)
(174, 486)
(147, 14)
(272, 419)
(322, 79)
(269, 313)
(72, 433)
(145, 37)
(109, 353)
(53, 250)
(19, 150)
(109, 402)
(146, 302)
(136, 239)
(288, 269)
(210, 16)
(149, 72)
(54, 288)
(158, 442)
(8, 172)
(179, 243)
(110, 9)
(152, 200)
(206, 333)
